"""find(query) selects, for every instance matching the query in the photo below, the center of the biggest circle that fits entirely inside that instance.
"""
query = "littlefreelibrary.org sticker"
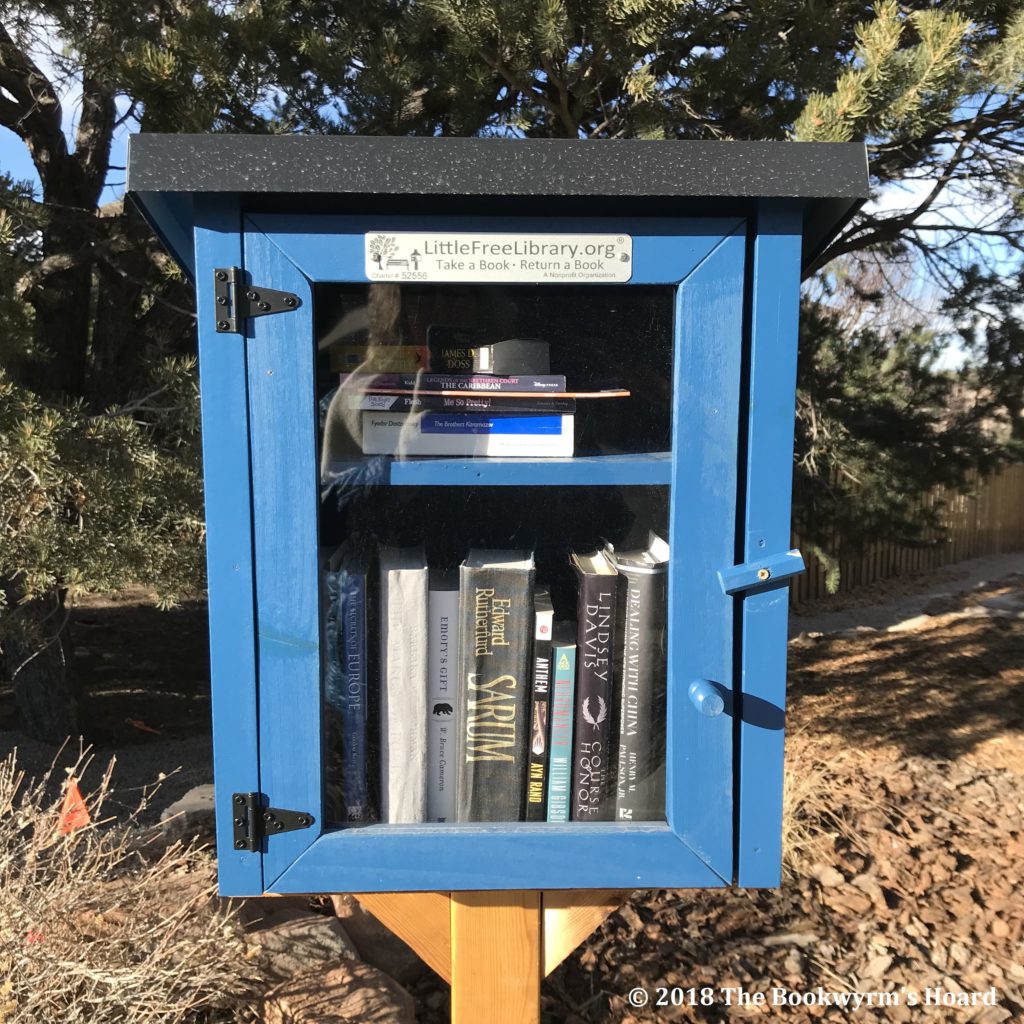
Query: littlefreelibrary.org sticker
(493, 256)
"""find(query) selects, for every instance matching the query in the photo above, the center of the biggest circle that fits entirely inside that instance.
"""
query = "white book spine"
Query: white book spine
(387, 433)
(403, 699)
(443, 681)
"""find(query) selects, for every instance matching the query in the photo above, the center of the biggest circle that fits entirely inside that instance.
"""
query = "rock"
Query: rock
(351, 993)
(941, 604)
(908, 625)
(1010, 604)
(295, 945)
(826, 876)
(191, 816)
(377, 944)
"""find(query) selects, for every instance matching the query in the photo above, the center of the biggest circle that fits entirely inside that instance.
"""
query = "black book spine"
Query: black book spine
(641, 669)
(495, 613)
(593, 797)
(540, 717)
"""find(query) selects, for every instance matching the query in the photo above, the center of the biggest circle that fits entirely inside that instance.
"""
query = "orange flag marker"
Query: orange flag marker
(73, 812)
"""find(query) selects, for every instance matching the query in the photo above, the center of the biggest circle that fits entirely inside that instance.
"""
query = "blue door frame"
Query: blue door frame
(734, 369)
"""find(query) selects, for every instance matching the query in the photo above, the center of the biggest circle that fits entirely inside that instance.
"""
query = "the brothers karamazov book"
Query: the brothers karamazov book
(593, 797)
(640, 671)
(495, 620)
(403, 684)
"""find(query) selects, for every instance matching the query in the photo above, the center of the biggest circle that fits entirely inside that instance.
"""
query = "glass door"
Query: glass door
(488, 518)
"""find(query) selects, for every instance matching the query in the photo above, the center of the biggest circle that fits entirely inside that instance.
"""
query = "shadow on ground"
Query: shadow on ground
(939, 691)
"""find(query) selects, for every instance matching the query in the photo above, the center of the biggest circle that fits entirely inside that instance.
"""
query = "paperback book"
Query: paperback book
(443, 694)
(532, 383)
(563, 685)
(403, 684)
(468, 434)
(540, 697)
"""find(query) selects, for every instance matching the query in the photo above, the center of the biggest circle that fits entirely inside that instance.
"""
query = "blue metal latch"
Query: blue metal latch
(769, 569)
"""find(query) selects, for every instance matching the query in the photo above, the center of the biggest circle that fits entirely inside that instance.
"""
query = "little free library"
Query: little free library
(497, 438)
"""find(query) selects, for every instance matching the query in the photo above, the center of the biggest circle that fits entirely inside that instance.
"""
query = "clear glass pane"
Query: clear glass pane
(493, 534)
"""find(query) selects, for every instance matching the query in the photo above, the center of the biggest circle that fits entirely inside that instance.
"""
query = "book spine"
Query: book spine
(403, 700)
(378, 358)
(352, 649)
(640, 779)
(457, 382)
(389, 433)
(443, 700)
(455, 403)
(536, 780)
(494, 631)
(334, 700)
(593, 799)
(452, 359)
(563, 667)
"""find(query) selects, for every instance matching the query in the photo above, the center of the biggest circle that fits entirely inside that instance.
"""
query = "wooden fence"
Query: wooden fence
(986, 521)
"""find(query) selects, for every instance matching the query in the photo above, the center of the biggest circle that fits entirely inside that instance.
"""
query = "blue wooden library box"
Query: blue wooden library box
(421, 354)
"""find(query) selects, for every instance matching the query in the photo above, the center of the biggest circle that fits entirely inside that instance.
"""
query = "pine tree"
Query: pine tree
(90, 303)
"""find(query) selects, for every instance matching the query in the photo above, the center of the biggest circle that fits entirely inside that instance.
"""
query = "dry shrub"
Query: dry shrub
(105, 925)
(820, 791)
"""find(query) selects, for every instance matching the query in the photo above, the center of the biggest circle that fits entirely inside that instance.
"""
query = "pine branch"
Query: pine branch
(34, 112)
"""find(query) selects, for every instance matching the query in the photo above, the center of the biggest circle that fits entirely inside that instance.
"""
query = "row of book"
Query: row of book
(462, 699)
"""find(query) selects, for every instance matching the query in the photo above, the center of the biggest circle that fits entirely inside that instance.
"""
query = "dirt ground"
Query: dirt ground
(905, 846)
(905, 834)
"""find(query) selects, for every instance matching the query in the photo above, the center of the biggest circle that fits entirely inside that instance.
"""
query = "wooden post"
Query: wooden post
(493, 947)
(496, 957)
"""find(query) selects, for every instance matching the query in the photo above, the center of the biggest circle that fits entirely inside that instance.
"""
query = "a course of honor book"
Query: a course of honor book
(506, 405)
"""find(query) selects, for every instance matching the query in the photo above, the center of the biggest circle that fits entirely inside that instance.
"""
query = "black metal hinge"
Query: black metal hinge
(253, 823)
(237, 301)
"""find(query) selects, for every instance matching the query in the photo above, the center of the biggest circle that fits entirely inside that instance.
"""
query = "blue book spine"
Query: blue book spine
(346, 687)
(563, 666)
(481, 423)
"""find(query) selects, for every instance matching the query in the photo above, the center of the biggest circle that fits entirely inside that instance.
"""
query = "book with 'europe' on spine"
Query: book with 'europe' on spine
(403, 684)
(640, 673)
(593, 798)
(495, 633)
(350, 664)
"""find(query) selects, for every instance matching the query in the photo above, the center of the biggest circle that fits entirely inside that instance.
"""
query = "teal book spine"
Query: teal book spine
(563, 666)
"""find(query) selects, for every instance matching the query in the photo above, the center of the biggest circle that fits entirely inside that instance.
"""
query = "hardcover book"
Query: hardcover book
(593, 797)
(563, 685)
(468, 434)
(460, 350)
(540, 703)
(403, 684)
(442, 694)
(349, 666)
(640, 671)
(495, 630)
